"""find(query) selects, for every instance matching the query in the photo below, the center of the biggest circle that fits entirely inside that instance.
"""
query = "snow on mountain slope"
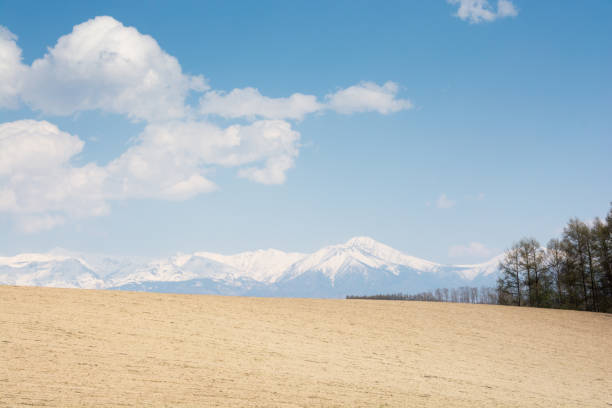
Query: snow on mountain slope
(382, 251)
(47, 270)
(263, 265)
(174, 269)
(358, 253)
(23, 260)
(360, 265)
(484, 269)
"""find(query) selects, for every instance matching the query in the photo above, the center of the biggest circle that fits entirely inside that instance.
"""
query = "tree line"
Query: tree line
(464, 294)
(574, 271)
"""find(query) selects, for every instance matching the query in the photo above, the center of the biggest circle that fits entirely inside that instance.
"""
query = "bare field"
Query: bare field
(69, 347)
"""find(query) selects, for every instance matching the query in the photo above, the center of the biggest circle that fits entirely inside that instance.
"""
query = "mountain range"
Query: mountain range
(358, 266)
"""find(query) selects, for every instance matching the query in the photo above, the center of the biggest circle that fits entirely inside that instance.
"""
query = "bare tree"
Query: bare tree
(438, 293)
(574, 237)
(474, 295)
(556, 262)
(510, 283)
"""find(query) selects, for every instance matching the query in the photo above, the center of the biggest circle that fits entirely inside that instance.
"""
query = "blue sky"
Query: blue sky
(485, 132)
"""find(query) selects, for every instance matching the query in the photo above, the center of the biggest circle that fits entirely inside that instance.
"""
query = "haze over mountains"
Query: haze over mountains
(359, 266)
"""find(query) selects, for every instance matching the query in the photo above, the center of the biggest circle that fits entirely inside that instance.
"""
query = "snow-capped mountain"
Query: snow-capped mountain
(359, 266)
(360, 253)
(48, 270)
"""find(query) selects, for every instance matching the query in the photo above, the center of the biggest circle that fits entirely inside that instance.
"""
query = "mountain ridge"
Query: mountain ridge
(360, 264)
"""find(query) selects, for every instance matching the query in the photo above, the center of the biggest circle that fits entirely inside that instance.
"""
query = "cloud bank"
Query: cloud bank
(105, 66)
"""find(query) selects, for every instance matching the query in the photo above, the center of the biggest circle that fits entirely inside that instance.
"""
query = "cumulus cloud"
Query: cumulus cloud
(478, 11)
(473, 249)
(368, 97)
(105, 65)
(40, 184)
(275, 145)
(30, 146)
(444, 202)
(11, 69)
(250, 103)
(171, 159)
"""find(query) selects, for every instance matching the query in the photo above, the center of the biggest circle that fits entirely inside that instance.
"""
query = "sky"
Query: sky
(447, 129)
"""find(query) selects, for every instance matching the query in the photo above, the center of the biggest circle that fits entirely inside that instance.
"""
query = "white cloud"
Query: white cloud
(105, 65)
(444, 202)
(478, 11)
(171, 159)
(250, 103)
(473, 249)
(41, 186)
(31, 146)
(276, 147)
(368, 97)
(505, 8)
(38, 183)
(11, 69)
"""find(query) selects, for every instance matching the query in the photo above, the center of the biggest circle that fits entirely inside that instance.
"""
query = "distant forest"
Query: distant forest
(464, 294)
(574, 271)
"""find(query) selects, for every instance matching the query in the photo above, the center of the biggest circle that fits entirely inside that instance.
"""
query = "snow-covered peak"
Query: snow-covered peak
(359, 254)
(389, 254)
(47, 270)
(365, 242)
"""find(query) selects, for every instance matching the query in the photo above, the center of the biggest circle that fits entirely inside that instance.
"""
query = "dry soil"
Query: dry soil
(69, 347)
